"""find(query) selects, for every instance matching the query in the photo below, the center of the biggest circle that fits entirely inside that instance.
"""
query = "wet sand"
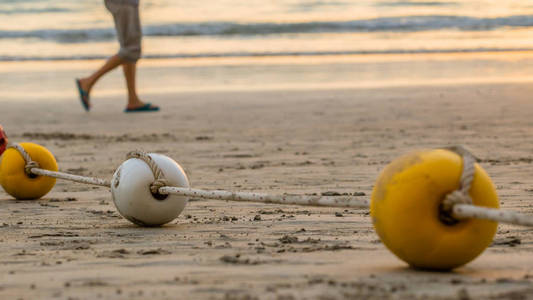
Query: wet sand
(73, 244)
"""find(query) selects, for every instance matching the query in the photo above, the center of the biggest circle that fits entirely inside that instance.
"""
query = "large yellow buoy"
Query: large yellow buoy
(405, 210)
(14, 179)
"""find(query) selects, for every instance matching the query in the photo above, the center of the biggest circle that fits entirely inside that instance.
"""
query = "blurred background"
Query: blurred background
(81, 29)
(230, 44)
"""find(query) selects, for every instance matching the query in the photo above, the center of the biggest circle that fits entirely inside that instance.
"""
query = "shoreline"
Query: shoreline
(174, 76)
(273, 55)
(292, 59)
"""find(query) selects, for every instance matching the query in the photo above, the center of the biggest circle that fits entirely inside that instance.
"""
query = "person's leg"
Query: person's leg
(130, 69)
(131, 52)
(129, 34)
(88, 82)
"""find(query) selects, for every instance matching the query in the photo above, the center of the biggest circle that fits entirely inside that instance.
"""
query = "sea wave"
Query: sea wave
(389, 24)
(31, 11)
(268, 54)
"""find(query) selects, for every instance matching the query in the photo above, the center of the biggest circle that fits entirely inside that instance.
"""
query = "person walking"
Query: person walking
(128, 27)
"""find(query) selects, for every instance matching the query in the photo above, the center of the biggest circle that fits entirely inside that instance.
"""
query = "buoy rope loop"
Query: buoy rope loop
(29, 163)
(462, 194)
(159, 178)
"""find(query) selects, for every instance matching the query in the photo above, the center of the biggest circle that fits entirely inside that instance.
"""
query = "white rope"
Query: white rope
(160, 186)
(30, 163)
(307, 200)
(159, 177)
(458, 204)
(467, 211)
(71, 177)
(458, 211)
(462, 194)
(32, 168)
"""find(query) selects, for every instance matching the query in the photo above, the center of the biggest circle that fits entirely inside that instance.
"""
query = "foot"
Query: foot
(84, 89)
(141, 107)
(85, 84)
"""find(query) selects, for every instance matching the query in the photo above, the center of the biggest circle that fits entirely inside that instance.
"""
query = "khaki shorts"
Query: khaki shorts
(128, 26)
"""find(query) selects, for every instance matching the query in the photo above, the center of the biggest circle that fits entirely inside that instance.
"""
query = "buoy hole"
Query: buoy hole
(160, 197)
(32, 176)
(446, 216)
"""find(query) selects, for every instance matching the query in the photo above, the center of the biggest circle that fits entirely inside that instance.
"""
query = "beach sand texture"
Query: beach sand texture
(72, 244)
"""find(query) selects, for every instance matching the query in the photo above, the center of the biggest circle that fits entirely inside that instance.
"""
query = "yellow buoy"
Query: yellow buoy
(14, 179)
(405, 210)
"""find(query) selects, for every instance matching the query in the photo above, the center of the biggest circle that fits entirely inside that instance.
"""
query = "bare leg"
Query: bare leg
(87, 83)
(130, 75)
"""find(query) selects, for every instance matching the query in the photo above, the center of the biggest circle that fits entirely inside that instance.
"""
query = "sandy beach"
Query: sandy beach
(72, 244)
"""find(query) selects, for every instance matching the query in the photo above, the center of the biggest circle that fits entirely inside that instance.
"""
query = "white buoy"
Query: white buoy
(130, 188)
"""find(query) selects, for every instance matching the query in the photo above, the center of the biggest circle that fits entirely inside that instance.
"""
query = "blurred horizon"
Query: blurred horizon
(80, 30)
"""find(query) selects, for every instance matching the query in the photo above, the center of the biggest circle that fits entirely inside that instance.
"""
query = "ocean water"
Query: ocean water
(83, 29)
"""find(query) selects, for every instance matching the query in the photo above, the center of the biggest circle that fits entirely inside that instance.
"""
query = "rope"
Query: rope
(159, 177)
(160, 186)
(462, 194)
(458, 205)
(32, 168)
(466, 211)
(458, 202)
(307, 200)
(30, 164)
(71, 177)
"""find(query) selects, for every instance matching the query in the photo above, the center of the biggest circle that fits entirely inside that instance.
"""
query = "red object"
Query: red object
(3, 140)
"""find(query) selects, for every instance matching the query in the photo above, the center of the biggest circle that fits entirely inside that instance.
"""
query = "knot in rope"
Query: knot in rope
(457, 197)
(462, 194)
(157, 184)
(29, 163)
(159, 177)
